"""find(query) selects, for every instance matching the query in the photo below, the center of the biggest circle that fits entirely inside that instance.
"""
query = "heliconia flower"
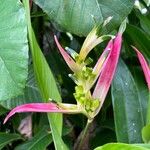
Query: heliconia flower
(70, 62)
(108, 71)
(144, 65)
(104, 70)
(44, 107)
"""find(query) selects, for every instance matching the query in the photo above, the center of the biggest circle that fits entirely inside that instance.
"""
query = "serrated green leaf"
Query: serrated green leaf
(79, 17)
(13, 49)
(121, 146)
(127, 106)
(6, 138)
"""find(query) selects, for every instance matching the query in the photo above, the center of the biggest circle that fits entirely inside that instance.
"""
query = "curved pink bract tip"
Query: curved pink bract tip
(70, 62)
(40, 107)
(144, 66)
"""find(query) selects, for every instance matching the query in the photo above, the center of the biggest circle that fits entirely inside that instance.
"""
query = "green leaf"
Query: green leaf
(79, 17)
(135, 36)
(121, 146)
(146, 134)
(31, 93)
(39, 142)
(142, 89)
(6, 138)
(127, 106)
(46, 83)
(13, 49)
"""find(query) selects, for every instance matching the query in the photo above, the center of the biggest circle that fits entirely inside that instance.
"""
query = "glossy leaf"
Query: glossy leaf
(127, 105)
(121, 146)
(39, 142)
(13, 49)
(6, 138)
(79, 17)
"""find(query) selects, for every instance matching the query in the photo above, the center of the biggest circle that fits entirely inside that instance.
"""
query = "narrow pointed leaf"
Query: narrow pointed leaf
(70, 62)
(45, 80)
(144, 65)
(108, 71)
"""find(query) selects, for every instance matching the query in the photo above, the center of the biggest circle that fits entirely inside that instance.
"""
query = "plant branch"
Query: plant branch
(83, 135)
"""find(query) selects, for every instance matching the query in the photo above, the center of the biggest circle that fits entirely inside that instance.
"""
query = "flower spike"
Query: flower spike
(144, 65)
(70, 62)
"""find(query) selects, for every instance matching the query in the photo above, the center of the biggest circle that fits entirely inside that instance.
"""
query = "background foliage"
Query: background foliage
(24, 73)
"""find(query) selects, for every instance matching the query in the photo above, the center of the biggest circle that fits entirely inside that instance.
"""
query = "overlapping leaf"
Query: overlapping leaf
(78, 17)
(13, 49)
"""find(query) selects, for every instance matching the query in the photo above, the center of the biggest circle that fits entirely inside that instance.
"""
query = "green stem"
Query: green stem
(148, 110)
(84, 134)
